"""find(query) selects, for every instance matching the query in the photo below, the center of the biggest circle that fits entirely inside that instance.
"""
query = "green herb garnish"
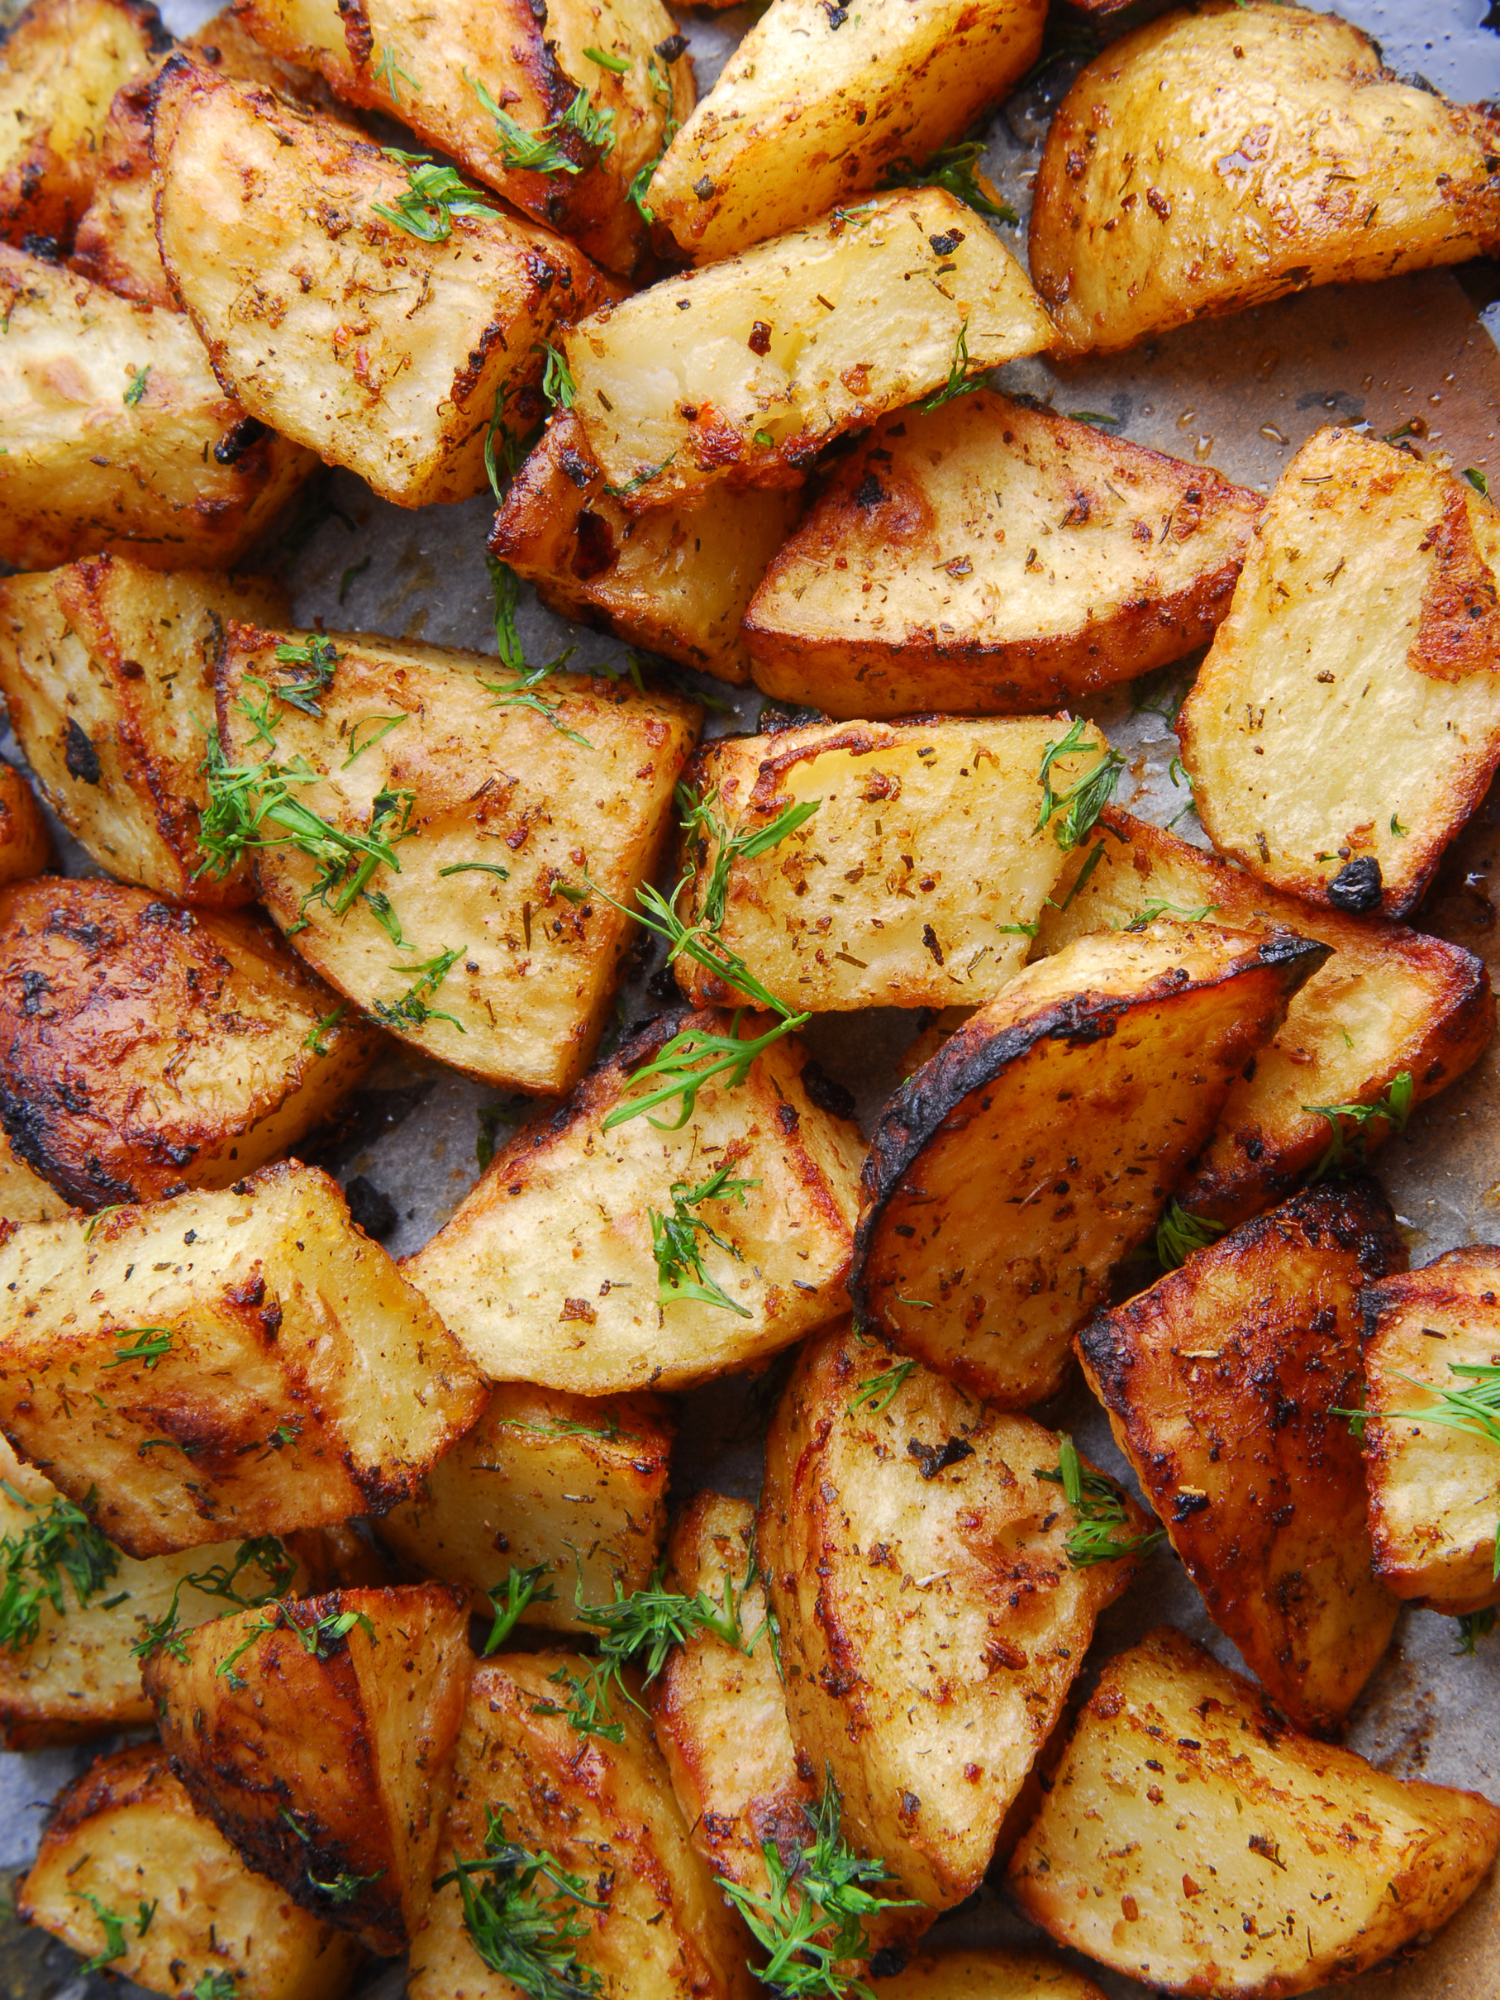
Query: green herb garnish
(412, 1010)
(263, 1552)
(517, 1588)
(387, 71)
(521, 1913)
(1074, 812)
(1474, 1409)
(137, 387)
(1394, 1105)
(954, 169)
(958, 373)
(1473, 1626)
(558, 385)
(61, 1541)
(151, 1343)
(317, 654)
(1099, 1507)
(434, 195)
(1179, 1234)
(679, 1254)
(878, 1392)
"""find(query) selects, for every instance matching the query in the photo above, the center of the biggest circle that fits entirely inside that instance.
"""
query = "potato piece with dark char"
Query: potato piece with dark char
(25, 1196)
(989, 1226)
(115, 244)
(25, 844)
(986, 1975)
(238, 1363)
(986, 557)
(1227, 1385)
(1389, 1002)
(107, 672)
(126, 1839)
(352, 1702)
(653, 1925)
(676, 581)
(566, 1484)
(401, 349)
(1191, 1840)
(1282, 155)
(146, 1048)
(931, 1621)
(1434, 1488)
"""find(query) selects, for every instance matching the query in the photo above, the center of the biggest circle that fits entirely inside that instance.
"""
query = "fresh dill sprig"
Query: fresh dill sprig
(558, 385)
(509, 1599)
(151, 1343)
(345, 1886)
(1158, 906)
(954, 169)
(412, 1010)
(1180, 1233)
(1474, 1409)
(679, 1254)
(521, 1913)
(659, 76)
(318, 655)
(434, 195)
(263, 1552)
(1394, 1105)
(1474, 1626)
(387, 71)
(503, 448)
(1072, 813)
(521, 691)
(317, 1639)
(545, 152)
(877, 1392)
(958, 373)
(217, 1984)
(114, 1933)
(1099, 1507)
(137, 388)
(61, 1541)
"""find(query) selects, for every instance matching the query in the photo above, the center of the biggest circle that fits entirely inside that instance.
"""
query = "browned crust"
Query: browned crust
(122, 1778)
(124, 161)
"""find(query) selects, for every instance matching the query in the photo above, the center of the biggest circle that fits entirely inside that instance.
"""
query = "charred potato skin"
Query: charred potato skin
(1244, 1453)
(116, 241)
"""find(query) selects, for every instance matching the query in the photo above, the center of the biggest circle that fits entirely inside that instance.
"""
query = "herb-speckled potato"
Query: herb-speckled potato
(931, 1622)
(606, 1811)
(676, 581)
(1388, 1002)
(987, 1975)
(126, 1837)
(107, 672)
(384, 352)
(743, 370)
(480, 940)
(1222, 156)
(547, 1271)
(1434, 1489)
(1366, 621)
(1224, 1383)
(990, 1225)
(352, 1703)
(987, 557)
(24, 1195)
(25, 844)
(1192, 1840)
(240, 1363)
(118, 436)
(575, 1487)
(818, 103)
(116, 240)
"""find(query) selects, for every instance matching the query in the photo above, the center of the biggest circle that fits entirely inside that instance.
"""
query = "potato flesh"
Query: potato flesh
(810, 110)
(985, 557)
(987, 1975)
(575, 1486)
(840, 350)
(1282, 156)
(1191, 1840)
(547, 1273)
(1365, 622)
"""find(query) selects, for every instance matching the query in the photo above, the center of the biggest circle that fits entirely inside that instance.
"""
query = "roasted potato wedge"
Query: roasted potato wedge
(931, 1622)
(240, 1363)
(25, 844)
(676, 581)
(480, 939)
(990, 1226)
(25, 1196)
(810, 110)
(145, 1048)
(115, 244)
(1366, 621)
(918, 880)
(544, 1481)
(991, 558)
(1389, 1002)
(606, 1812)
(435, 71)
(1225, 1384)
(547, 1271)
(1193, 1841)
(126, 1838)
(352, 1702)
(117, 435)
(744, 370)
(1281, 156)
(1434, 1489)
(986, 1975)
(107, 672)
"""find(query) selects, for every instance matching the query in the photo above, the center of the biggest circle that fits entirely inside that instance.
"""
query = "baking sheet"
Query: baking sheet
(1240, 394)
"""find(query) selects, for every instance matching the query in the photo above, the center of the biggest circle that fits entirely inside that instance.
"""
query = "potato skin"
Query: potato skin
(987, 1975)
(1282, 156)
(25, 844)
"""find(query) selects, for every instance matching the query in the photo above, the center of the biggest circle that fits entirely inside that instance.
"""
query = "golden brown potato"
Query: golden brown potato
(383, 351)
(1389, 1002)
(931, 1621)
(652, 1923)
(1224, 1385)
(107, 672)
(60, 66)
(990, 558)
(116, 240)
(1193, 1841)
(745, 369)
(117, 435)
(351, 1703)
(25, 844)
(434, 70)
(817, 105)
(1279, 154)
(546, 1482)
(481, 938)
(1366, 621)
(1434, 1489)
(25, 1196)
(676, 581)
(239, 1363)
(547, 1271)
(125, 1840)
(145, 1048)
(916, 883)
(990, 1225)
(987, 1975)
